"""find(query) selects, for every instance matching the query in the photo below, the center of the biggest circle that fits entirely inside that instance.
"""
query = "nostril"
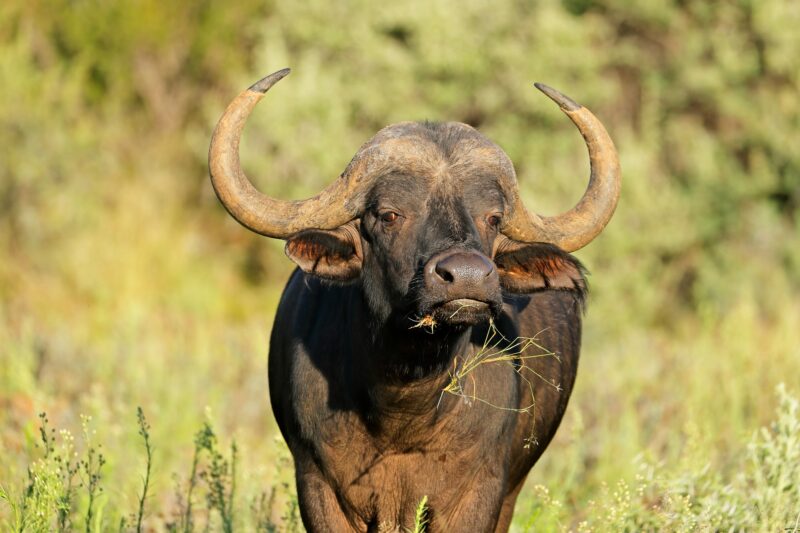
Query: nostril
(444, 273)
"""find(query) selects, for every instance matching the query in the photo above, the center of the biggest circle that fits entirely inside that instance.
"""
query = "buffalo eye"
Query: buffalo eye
(493, 221)
(388, 217)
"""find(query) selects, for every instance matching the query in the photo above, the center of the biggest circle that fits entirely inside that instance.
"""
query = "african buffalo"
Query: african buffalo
(416, 255)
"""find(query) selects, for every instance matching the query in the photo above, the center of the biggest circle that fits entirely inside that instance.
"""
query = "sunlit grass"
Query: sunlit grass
(690, 406)
(66, 490)
(421, 516)
(760, 494)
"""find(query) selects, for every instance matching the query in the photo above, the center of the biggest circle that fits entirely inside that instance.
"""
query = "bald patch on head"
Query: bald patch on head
(447, 154)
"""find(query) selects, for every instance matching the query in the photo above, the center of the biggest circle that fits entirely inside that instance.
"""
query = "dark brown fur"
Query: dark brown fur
(358, 392)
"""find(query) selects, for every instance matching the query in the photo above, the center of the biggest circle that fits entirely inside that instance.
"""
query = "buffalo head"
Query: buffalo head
(427, 217)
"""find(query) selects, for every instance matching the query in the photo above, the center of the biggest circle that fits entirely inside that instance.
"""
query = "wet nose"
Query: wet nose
(463, 268)
(461, 272)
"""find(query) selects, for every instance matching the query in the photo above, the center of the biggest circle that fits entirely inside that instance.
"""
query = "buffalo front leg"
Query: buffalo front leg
(507, 511)
(477, 510)
(319, 506)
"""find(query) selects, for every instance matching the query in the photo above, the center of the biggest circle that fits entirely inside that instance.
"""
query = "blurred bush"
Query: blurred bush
(102, 99)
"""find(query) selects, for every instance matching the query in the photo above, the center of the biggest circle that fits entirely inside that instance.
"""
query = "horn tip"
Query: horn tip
(265, 84)
(565, 102)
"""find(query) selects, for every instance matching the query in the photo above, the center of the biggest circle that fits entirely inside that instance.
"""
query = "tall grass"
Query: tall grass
(64, 490)
(759, 492)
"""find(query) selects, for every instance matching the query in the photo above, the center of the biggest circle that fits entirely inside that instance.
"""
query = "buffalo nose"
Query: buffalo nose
(467, 269)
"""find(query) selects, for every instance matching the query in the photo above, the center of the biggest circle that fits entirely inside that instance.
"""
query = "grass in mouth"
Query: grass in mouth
(498, 349)
(426, 322)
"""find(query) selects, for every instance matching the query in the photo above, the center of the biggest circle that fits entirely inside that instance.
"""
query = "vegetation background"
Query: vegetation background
(124, 283)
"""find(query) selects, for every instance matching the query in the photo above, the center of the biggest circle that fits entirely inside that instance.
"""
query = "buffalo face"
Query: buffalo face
(427, 217)
(428, 243)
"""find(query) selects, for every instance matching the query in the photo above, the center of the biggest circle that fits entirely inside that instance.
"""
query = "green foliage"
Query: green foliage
(51, 499)
(692, 496)
(89, 472)
(421, 516)
(144, 431)
(123, 282)
(220, 476)
(281, 496)
(60, 482)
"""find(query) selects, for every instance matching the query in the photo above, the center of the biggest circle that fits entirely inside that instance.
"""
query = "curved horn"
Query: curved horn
(251, 208)
(577, 227)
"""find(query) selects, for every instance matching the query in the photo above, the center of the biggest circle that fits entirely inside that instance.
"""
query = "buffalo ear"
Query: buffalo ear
(526, 268)
(328, 254)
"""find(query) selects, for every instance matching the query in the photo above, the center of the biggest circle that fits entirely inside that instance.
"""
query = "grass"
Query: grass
(426, 321)
(65, 492)
(144, 431)
(496, 348)
(692, 435)
(761, 493)
(61, 484)
(421, 516)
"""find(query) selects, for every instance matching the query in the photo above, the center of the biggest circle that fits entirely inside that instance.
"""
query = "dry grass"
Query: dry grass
(426, 322)
(497, 349)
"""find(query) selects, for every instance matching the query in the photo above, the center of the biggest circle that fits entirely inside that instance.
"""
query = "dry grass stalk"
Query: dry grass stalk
(426, 321)
(429, 322)
(497, 348)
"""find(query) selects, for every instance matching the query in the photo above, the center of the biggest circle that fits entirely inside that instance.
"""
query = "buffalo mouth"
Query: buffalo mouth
(462, 312)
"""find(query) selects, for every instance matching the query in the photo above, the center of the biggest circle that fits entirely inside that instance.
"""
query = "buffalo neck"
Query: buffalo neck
(406, 368)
